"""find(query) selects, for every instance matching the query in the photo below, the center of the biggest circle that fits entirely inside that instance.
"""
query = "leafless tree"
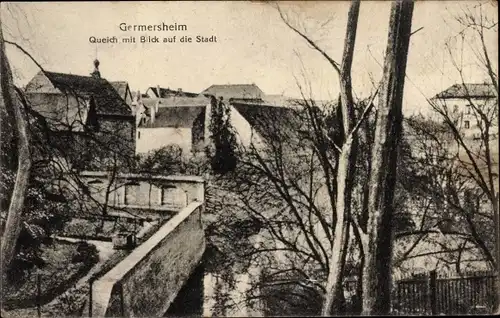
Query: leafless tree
(49, 158)
(382, 180)
(12, 103)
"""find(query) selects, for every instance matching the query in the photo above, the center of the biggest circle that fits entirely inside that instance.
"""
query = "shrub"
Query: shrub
(86, 253)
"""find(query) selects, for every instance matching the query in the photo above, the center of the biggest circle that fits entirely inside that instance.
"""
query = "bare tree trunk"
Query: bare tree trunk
(12, 104)
(377, 267)
(496, 219)
(345, 172)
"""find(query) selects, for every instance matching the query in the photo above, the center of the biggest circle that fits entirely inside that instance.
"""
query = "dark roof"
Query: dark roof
(272, 122)
(468, 90)
(175, 117)
(238, 91)
(166, 92)
(108, 101)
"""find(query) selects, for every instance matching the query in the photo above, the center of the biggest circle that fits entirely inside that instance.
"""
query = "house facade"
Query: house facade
(161, 92)
(86, 115)
(184, 119)
(171, 121)
(461, 100)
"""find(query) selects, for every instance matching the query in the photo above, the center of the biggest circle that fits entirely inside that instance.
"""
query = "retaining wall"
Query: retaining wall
(147, 281)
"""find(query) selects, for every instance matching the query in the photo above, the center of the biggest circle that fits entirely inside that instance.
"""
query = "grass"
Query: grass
(73, 301)
(96, 228)
(58, 275)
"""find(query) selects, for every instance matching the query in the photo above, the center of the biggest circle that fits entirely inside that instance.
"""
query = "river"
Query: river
(206, 294)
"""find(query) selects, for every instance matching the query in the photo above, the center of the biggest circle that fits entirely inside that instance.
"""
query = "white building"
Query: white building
(462, 102)
(185, 120)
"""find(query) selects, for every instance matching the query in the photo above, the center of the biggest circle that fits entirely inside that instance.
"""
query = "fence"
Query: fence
(430, 294)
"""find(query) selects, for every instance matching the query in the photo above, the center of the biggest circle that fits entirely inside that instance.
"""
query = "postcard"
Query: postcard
(249, 158)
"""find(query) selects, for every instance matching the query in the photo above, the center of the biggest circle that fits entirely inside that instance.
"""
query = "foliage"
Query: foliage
(165, 161)
(95, 228)
(85, 253)
(446, 196)
(224, 153)
(57, 276)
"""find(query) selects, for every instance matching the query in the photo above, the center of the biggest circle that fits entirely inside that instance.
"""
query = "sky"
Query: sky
(253, 45)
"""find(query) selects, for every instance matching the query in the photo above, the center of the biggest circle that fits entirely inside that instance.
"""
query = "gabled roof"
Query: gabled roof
(175, 117)
(166, 92)
(121, 88)
(108, 101)
(237, 91)
(468, 90)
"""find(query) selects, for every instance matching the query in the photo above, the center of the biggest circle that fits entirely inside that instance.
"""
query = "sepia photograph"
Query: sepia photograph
(249, 158)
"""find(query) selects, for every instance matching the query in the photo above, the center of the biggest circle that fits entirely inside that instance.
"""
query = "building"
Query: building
(87, 116)
(122, 88)
(140, 194)
(172, 120)
(235, 91)
(185, 120)
(461, 99)
(160, 92)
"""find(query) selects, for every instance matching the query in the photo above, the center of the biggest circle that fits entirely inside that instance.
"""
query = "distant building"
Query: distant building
(122, 88)
(460, 99)
(86, 115)
(185, 120)
(235, 91)
(160, 92)
(173, 120)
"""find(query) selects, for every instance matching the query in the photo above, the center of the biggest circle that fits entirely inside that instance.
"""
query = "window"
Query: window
(466, 124)
(455, 109)
(138, 135)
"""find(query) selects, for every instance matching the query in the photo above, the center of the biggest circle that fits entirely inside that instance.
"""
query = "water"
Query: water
(207, 294)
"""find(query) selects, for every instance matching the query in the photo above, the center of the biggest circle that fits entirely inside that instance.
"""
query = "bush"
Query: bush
(86, 253)
(59, 274)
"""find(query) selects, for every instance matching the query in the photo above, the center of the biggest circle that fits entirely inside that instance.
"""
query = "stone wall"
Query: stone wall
(147, 281)
(142, 191)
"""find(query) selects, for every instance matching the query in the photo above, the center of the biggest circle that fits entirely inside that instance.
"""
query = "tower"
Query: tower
(96, 73)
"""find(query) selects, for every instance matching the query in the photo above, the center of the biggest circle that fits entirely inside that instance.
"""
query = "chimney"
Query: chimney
(153, 114)
(96, 73)
(158, 91)
(138, 97)
(138, 109)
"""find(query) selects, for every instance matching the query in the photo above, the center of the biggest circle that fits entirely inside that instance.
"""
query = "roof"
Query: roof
(468, 90)
(108, 101)
(121, 88)
(278, 100)
(176, 117)
(241, 91)
(50, 93)
(165, 92)
(177, 101)
(271, 122)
